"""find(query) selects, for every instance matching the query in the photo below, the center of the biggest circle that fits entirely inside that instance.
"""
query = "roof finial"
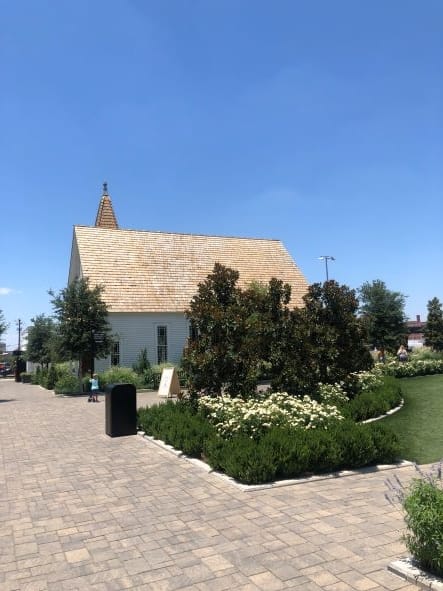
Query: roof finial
(105, 188)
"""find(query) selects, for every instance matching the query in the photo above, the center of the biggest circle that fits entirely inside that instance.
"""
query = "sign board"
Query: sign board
(169, 383)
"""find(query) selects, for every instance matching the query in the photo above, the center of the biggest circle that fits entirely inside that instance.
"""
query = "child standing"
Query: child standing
(93, 397)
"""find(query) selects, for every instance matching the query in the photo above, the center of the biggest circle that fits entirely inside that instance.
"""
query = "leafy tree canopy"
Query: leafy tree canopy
(84, 333)
(240, 335)
(382, 310)
(40, 340)
(325, 341)
(211, 358)
(3, 324)
(434, 325)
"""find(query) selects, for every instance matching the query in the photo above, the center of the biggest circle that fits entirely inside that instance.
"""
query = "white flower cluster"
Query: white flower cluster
(369, 380)
(234, 416)
(419, 367)
(332, 393)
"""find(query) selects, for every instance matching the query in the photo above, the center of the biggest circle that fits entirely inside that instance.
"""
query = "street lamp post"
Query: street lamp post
(326, 258)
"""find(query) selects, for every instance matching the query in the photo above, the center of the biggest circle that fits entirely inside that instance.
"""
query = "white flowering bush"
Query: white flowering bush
(234, 416)
(332, 394)
(412, 368)
(369, 380)
(359, 382)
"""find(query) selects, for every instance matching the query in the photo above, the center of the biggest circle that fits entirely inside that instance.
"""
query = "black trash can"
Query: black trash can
(121, 410)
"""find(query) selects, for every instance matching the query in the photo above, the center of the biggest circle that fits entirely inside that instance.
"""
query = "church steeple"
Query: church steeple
(105, 214)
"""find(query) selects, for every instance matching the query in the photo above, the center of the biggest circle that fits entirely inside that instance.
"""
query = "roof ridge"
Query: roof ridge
(178, 233)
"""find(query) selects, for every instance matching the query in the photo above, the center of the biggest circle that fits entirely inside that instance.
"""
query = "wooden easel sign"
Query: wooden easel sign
(169, 383)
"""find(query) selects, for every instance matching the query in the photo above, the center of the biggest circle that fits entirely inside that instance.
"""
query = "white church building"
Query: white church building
(149, 279)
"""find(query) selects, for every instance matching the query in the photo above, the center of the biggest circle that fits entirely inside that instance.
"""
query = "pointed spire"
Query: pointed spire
(105, 214)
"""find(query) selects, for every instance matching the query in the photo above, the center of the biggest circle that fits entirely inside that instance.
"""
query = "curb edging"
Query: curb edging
(407, 569)
(279, 483)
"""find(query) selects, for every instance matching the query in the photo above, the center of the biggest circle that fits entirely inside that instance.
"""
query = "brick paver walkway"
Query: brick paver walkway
(81, 510)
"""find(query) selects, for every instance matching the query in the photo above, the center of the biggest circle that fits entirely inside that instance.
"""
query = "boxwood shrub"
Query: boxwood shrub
(372, 404)
(176, 424)
(248, 462)
(283, 453)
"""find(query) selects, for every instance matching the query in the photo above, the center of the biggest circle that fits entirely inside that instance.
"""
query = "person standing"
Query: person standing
(93, 397)
(402, 354)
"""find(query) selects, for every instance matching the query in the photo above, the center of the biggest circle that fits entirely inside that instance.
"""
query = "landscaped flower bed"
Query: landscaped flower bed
(269, 437)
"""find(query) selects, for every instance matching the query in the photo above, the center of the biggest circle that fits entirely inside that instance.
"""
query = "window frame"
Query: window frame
(115, 353)
(162, 349)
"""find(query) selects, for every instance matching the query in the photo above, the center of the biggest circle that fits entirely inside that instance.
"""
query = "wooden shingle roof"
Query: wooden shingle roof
(144, 271)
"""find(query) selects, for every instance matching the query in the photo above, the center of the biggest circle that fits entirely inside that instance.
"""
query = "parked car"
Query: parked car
(5, 369)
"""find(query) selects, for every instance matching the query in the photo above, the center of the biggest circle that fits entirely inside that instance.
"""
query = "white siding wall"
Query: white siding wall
(75, 271)
(137, 331)
(415, 344)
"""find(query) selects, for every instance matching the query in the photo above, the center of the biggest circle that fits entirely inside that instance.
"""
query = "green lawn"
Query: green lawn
(419, 424)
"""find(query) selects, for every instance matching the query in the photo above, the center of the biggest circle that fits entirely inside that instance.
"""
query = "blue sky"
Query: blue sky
(316, 122)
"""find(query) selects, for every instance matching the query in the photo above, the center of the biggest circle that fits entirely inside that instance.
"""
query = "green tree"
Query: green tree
(433, 331)
(40, 340)
(382, 310)
(323, 342)
(240, 334)
(233, 332)
(84, 333)
(211, 358)
(337, 335)
(268, 322)
(3, 324)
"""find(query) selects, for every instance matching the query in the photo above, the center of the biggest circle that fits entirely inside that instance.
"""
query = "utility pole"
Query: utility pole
(326, 258)
(18, 361)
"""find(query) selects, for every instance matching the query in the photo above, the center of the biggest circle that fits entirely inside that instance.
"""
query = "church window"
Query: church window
(162, 344)
(115, 354)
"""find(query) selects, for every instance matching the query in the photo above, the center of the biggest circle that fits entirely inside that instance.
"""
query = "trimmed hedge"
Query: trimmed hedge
(368, 405)
(280, 453)
(176, 424)
(285, 453)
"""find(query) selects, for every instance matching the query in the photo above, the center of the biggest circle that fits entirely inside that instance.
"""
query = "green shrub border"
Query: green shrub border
(374, 404)
(279, 454)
